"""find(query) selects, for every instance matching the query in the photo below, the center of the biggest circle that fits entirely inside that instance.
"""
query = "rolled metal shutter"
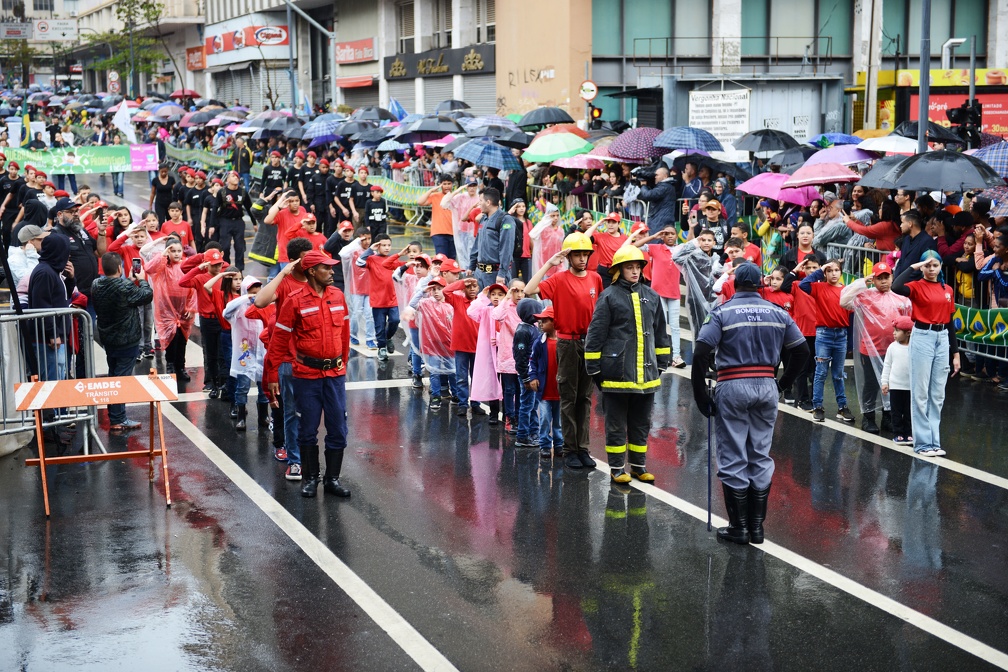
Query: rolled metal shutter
(480, 93)
(362, 96)
(279, 82)
(223, 88)
(436, 89)
(403, 90)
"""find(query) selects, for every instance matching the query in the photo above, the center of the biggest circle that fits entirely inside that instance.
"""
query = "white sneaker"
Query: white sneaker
(938, 452)
(678, 362)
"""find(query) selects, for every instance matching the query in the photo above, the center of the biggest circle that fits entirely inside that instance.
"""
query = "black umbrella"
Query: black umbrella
(455, 144)
(375, 134)
(944, 170)
(600, 133)
(203, 102)
(295, 133)
(543, 116)
(616, 125)
(716, 166)
(502, 135)
(765, 140)
(446, 106)
(460, 114)
(792, 159)
(373, 113)
(428, 128)
(880, 174)
(935, 132)
(264, 133)
(356, 126)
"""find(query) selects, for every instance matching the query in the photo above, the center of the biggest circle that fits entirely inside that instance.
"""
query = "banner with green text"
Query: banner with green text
(83, 160)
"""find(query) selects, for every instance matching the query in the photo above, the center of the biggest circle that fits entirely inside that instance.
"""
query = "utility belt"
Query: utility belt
(487, 268)
(929, 327)
(571, 337)
(321, 364)
(735, 372)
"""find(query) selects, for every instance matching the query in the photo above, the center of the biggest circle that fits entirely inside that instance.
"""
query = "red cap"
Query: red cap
(39, 173)
(375, 187)
(276, 154)
(308, 218)
(298, 155)
(101, 204)
(324, 162)
(497, 285)
(903, 323)
(546, 314)
(200, 175)
(15, 164)
(345, 225)
(3, 157)
(30, 167)
(439, 258)
(639, 227)
(450, 266)
(213, 256)
(314, 258)
(440, 282)
(313, 155)
(881, 268)
(217, 180)
(184, 169)
(364, 169)
(424, 258)
(61, 193)
(49, 184)
(615, 216)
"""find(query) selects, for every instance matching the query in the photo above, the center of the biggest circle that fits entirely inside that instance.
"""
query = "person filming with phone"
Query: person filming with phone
(116, 297)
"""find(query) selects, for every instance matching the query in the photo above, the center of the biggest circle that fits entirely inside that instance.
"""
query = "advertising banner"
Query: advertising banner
(83, 160)
(358, 51)
(995, 109)
(253, 37)
(195, 58)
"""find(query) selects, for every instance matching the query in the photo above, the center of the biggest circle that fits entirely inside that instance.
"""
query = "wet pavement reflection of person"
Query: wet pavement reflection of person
(743, 597)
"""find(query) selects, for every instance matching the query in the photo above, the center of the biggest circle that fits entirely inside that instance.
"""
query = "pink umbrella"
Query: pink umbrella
(821, 173)
(802, 196)
(845, 155)
(440, 142)
(127, 103)
(581, 162)
(232, 128)
(770, 185)
(216, 122)
(603, 153)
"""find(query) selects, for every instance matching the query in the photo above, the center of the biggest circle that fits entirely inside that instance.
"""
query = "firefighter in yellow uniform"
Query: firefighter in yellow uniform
(626, 350)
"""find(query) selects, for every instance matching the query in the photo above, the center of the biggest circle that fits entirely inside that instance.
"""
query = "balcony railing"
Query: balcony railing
(674, 53)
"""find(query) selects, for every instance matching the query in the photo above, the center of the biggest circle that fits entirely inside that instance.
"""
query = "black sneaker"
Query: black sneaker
(572, 461)
(390, 346)
(868, 425)
(478, 411)
(586, 459)
(819, 414)
(545, 453)
(525, 443)
(845, 415)
(805, 405)
(435, 404)
(417, 382)
(454, 399)
(462, 412)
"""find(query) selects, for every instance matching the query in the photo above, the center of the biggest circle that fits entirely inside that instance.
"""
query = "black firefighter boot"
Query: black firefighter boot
(242, 414)
(334, 465)
(757, 513)
(737, 506)
(309, 471)
(263, 411)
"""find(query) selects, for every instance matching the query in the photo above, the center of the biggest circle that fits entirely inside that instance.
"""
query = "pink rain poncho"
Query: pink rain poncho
(174, 306)
(547, 240)
(434, 320)
(405, 284)
(485, 383)
(874, 315)
(506, 317)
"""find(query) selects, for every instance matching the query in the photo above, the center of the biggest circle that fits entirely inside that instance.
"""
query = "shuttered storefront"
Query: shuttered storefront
(403, 90)
(362, 96)
(436, 90)
(266, 79)
(480, 93)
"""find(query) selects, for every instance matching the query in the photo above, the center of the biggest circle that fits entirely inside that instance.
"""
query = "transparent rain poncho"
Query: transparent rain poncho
(405, 284)
(434, 320)
(174, 306)
(699, 271)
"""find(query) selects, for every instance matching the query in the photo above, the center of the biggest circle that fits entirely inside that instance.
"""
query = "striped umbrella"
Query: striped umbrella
(687, 137)
(324, 131)
(486, 152)
(999, 197)
(821, 173)
(995, 156)
(636, 144)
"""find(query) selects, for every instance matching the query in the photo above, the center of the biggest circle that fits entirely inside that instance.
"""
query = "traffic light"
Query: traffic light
(595, 114)
(968, 121)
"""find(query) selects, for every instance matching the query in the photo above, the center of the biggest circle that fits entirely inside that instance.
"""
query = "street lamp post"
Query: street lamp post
(132, 83)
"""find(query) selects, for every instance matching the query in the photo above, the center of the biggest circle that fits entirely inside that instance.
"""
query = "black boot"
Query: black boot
(242, 414)
(264, 418)
(868, 423)
(737, 506)
(334, 465)
(757, 513)
(886, 421)
(309, 471)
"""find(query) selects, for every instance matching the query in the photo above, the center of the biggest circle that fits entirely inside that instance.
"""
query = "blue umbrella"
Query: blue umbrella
(829, 139)
(486, 152)
(687, 137)
(324, 131)
(995, 156)
(392, 146)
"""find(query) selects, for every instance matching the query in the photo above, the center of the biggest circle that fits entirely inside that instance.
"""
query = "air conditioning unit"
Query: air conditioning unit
(73, 15)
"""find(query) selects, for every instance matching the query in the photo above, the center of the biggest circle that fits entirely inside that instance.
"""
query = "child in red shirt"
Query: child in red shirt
(543, 381)
(177, 226)
(463, 338)
(803, 310)
(384, 305)
(309, 230)
(824, 287)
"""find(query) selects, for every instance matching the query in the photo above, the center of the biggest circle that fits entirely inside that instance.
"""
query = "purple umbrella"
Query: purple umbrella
(845, 155)
(636, 144)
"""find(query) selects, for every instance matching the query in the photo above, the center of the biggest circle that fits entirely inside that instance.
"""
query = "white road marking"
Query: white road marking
(423, 653)
(837, 426)
(833, 578)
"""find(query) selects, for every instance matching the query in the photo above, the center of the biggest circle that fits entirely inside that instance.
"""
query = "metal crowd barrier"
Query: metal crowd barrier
(21, 358)
(858, 260)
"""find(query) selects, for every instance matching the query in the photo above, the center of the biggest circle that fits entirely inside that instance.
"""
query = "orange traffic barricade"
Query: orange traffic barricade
(38, 396)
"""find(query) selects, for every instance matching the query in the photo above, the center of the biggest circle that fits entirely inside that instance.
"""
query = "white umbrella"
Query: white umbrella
(890, 144)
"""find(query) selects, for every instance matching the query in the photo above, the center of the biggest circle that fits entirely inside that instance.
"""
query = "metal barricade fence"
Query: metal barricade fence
(421, 177)
(24, 352)
(857, 260)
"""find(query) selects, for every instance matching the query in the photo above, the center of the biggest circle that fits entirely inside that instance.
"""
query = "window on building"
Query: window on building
(442, 24)
(486, 21)
(605, 28)
(42, 5)
(406, 31)
(901, 22)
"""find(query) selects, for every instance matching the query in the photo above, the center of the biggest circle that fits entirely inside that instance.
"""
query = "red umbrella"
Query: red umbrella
(127, 103)
(563, 128)
(821, 173)
(183, 93)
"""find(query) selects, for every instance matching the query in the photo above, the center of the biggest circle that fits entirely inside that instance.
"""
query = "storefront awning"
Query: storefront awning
(653, 92)
(357, 82)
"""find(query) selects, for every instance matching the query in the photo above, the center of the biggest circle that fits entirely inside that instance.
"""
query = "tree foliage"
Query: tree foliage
(148, 51)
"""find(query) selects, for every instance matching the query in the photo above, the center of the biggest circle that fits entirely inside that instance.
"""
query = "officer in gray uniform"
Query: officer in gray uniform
(749, 334)
(494, 249)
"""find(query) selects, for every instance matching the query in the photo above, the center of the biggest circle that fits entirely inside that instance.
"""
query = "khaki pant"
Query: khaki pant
(575, 386)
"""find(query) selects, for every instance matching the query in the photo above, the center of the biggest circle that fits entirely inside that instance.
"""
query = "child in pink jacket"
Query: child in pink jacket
(506, 317)
(485, 383)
